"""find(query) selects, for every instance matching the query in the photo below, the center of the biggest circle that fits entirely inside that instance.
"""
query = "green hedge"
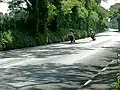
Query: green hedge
(116, 85)
(15, 39)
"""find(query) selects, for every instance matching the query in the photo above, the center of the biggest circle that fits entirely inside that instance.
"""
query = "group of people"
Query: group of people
(72, 35)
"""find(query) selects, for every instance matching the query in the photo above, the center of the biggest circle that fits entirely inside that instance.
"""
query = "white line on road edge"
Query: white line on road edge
(112, 61)
(104, 69)
(89, 81)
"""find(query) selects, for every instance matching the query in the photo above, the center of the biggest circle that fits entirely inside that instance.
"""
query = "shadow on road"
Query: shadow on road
(64, 77)
(51, 76)
(106, 78)
(42, 52)
(74, 43)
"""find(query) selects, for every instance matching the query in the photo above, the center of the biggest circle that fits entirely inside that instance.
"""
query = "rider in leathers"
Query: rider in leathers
(92, 34)
(72, 36)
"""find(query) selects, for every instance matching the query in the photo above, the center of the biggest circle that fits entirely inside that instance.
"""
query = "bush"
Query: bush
(116, 85)
(6, 40)
(22, 40)
(17, 39)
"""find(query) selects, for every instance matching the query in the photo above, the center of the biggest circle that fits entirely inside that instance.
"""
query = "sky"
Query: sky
(109, 3)
(4, 6)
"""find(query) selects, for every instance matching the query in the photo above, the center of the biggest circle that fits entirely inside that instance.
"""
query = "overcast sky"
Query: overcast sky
(109, 3)
(3, 6)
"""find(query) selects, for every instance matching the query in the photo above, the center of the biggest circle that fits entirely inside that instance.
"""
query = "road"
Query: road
(85, 65)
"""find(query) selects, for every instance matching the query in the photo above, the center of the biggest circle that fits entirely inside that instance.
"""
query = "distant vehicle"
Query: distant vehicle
(72, 36)
(92, 34)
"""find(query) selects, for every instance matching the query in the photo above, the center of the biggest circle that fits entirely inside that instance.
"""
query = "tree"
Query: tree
(36, 22)
(114, 15)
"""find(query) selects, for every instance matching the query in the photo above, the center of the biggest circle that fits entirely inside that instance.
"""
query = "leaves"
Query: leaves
(50, 20)
(67, 6)
(115, 15)
(94, 16)
(52, 11)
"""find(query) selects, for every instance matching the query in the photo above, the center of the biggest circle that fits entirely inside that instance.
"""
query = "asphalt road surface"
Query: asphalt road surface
(85, 65)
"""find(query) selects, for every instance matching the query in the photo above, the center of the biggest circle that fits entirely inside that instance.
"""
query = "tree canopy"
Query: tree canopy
(114, 14)
(47, 21)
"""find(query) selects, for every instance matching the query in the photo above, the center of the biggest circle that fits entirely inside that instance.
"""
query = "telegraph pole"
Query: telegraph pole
(37, 16)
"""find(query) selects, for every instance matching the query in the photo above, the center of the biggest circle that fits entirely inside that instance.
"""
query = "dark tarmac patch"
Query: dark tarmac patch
(70, 75)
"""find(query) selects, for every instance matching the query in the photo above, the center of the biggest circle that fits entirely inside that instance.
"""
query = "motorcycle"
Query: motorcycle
(72, 39)
(93, 37)
(72, 36)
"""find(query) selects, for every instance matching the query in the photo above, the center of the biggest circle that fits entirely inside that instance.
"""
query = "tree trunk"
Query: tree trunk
(37, 16)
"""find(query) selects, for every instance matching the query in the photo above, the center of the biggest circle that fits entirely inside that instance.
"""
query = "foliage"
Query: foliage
(114, 16)
(114, 10)
(38, 22)
(51, 11)
(116, 85)
(113, 23)
(5, 39)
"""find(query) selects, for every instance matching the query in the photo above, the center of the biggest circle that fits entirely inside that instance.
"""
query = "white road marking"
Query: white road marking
(87, 82)
(104, 69)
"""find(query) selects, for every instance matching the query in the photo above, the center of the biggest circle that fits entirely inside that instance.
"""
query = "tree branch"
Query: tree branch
(28, 4)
